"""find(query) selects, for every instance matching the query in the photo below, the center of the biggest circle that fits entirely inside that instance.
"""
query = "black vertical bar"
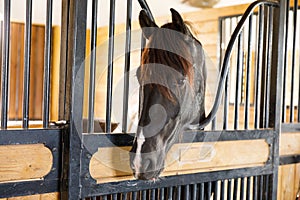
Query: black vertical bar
(162, 194)
(202, 192)
(266, 190)
(134, 195)
(285, 61)
(226, 101)
(187, 192)
(208, 190)
(27, 53)
(104, 197)
(239, 82)
(242, 189)
(75, 77)
(92, 68)
(248, 73)
(152, 195)
(127, 65)
(235, 188)
(47, 64)
(94, 198)
(259, 66)
(255, 187)
(261, 187)
(229, 186)
(295, 9)
(5, 63)
(110, 65)
(248, 191)
(114, 197)
(216, 190)
(144, 195)
(276, 91)
(194, 196)
(178, 193)
(222, 197)
(269, 65)
(124, 196)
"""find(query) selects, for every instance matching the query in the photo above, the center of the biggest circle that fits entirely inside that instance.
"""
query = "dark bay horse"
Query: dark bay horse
(172, 79)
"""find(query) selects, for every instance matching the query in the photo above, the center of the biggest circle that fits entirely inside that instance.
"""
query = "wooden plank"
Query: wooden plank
(55, 68)
(113, 163)
(21, 162)
(50, 196)
(287, 180)
(289, 144)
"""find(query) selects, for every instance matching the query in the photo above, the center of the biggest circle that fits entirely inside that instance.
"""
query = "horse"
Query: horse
(172, 79)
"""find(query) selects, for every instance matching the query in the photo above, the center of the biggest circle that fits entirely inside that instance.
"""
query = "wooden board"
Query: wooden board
(22, 162)
(110, 163)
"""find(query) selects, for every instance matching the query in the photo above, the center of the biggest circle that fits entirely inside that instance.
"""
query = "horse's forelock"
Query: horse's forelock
(167, 48)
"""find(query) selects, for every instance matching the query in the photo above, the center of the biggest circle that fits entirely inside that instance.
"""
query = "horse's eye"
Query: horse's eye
(181, 82)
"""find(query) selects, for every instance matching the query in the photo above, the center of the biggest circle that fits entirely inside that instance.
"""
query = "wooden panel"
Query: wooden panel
(55, 68)
(289, 144)
(21, 162)
(108, 163)
(16, 72)
(288, 182)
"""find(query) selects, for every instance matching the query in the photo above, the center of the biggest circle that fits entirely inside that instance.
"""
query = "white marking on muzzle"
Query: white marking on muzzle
(138, 156)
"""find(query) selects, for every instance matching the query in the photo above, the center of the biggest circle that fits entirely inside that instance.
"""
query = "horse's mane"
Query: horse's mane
(170, 49)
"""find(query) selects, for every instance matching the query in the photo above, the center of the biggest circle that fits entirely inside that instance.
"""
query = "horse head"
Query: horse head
(172, 80)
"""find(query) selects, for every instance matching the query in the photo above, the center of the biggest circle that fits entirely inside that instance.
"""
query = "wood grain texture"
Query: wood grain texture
(21, 162)
(108, 163)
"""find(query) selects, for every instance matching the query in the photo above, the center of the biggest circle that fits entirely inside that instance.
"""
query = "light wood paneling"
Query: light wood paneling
(108, 163)
(21, 162)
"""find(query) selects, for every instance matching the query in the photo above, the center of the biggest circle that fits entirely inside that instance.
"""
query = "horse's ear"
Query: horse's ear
(178, 21)
(148, 26)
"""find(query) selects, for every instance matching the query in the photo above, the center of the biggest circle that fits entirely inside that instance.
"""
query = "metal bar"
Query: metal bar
(248, 72)
(239, 82)
(75, 93)
(153, 194)
(178, 192)
(285, 61)
(134, 195)
(235, 188)
(5, 63)
(27, 52)
(170, 193)
(268, 69)
(226, 101)
(202, 191)
(144, 195)
(186, 192)
(261, 187)
(258, 67)
(162, 194)
(222, 195)
(295, 11)
(104, 197)
(242, 188)
(229, 188)
(225, 67)
(194, 195)
(248, 191)
(216, 190)
(208, 190)
(47, 64)
(266, 190)
(114, 197)
(110, 66)
(124, 196)
(145, 6)
(92, 67)
(255, 187)
(127, 66)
